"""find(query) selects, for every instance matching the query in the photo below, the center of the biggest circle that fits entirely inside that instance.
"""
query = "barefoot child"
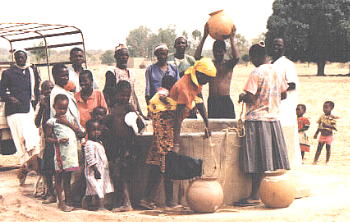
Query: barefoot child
(121, 155)
(96, 165)
(43, 115)
(62, 130)
(303, 125)
(162, 109)
(326, 125)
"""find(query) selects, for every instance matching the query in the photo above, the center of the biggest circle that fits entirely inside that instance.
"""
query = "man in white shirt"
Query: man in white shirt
(61, 77)
(287, 69)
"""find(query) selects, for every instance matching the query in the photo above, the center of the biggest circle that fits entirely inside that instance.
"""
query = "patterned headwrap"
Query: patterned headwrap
(205, 66)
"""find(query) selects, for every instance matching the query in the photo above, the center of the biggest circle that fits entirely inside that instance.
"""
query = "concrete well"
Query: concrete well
(226, 145)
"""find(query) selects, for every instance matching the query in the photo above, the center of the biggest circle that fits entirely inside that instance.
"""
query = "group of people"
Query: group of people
(88, 135)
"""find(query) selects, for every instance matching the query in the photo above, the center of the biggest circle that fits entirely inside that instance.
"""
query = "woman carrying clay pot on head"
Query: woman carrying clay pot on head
(264, 148)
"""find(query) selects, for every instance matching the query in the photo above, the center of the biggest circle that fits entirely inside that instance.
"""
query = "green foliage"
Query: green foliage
(141, 41)
(168, 36)
(259, 38)
(137, 41)
(107, 57)
(313, 30)
(5, 56)
(39, 54)
(196, 34)
(241, 44)
(184, 34)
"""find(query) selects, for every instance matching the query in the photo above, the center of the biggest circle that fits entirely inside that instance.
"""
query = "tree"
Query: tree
(184, 34)
(241, 44)
(168, 37)
(141, 41)
(107, 57)
(313, 30)
(39, 54)
(137, 41)
(196, 35)
(259, 38)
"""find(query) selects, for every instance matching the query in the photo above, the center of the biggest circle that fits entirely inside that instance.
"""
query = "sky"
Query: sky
(106, 23)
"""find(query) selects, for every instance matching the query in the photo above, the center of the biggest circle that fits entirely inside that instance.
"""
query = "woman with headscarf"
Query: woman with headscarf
(155, 72)
(120, 72)
(187, 94)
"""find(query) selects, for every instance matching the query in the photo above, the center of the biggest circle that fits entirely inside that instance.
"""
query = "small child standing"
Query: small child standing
(100, 113)
(303, 125)
(42, 116)
(62, 130)
(326, 125)
(96, 165)
(121, 155)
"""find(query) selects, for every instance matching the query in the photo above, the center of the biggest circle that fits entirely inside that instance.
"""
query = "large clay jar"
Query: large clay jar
(205, 195)
(277, 190)
(220, 25)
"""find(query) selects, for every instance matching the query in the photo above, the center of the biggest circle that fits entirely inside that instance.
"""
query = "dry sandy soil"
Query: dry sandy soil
(329, 184)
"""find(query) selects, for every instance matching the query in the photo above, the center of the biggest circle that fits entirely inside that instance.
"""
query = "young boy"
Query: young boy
(43, 114)
(326, 125)
(121, 155)
(88, 98)
(303, 125)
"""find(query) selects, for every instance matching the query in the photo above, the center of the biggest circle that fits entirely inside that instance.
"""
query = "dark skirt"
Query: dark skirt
(221, 107)
(264, 148)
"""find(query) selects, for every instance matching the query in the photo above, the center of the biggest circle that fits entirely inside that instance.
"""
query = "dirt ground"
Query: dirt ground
(329, 184)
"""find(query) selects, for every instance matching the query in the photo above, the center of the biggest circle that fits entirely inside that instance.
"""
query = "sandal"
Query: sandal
(147, 205)
(123, 209)
(245, 202)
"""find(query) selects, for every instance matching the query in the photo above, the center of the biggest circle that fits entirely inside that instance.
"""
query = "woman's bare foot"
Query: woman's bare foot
(123, 209)
(65, 208)
(50, 199)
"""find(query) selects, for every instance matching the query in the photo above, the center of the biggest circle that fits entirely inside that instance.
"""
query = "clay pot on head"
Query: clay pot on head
(220, 25)
(277, 190)
(205, 195)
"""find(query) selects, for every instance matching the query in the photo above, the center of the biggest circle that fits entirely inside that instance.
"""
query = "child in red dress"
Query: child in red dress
(303, 125)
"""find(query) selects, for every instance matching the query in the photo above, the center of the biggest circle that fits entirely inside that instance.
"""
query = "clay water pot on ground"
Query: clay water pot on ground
(220, 25)
(204, 195)
(277, 189)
